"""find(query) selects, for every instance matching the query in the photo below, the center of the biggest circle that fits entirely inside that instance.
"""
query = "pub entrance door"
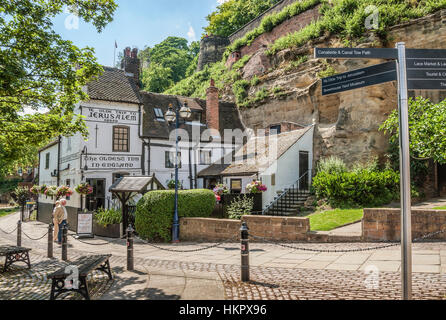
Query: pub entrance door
(96, 200)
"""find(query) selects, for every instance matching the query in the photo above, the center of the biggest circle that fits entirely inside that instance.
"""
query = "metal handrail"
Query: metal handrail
(285, 192)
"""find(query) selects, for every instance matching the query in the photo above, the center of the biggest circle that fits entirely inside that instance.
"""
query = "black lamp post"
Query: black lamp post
(174, 115)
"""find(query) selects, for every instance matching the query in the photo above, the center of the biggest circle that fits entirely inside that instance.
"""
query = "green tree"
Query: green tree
(41, 71)
(234, 14)
(427, 125)
(169, 62)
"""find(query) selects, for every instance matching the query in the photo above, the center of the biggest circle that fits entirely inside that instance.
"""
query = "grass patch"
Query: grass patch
(5, 212)
(440, 208)
(329, 220)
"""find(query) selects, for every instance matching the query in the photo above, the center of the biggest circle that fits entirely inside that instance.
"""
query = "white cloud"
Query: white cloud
(221, 1)
(191, 34)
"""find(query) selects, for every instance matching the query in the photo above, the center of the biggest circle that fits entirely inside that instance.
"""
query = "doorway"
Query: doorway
(304, 167)
(442, 180)
(96, 200)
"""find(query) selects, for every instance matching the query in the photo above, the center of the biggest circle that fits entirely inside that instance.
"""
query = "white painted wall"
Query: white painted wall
(286, 167)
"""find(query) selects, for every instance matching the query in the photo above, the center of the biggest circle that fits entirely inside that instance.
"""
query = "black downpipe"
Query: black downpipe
(191, 182)
(58, 160)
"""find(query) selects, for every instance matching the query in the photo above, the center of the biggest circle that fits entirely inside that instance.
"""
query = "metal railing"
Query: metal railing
(283, 201)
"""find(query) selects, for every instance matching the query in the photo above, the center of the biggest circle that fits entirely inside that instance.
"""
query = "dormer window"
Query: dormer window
(159, 115)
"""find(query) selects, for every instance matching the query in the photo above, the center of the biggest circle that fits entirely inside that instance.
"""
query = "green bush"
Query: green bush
(155, 211)
(240, 206)
(332, 165)
(108, 217)
(357, 188)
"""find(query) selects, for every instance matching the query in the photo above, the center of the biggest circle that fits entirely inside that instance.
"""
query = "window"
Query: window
(159, 115)
(69, 144)
(47, 161)
(205, 157)
(236, 185)
(121, 139)
(170, 159)
(275, 129)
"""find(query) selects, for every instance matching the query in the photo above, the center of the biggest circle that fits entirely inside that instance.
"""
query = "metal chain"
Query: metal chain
(348, 250)
(188, 251)
(8, 232)
(33, 238)
(89, 243)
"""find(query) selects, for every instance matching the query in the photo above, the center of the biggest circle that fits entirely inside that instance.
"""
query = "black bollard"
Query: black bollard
(130, 264)
(64, 243)
(245, 252)
(50, 241)
(19, 233)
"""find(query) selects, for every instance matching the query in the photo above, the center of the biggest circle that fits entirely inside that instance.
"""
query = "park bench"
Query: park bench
(85, 266)
(13, 255)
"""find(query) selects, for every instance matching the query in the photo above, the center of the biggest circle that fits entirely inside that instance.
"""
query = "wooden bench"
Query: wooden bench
(85, 266)
(14, 255)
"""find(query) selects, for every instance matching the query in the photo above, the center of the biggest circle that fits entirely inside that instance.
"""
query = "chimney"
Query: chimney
(212, 107)
(131, 64)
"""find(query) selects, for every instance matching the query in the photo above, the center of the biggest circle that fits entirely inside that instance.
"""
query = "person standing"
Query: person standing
(64, 221)
(56, 221)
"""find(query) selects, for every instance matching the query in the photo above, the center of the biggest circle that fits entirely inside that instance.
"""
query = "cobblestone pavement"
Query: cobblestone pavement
(276, 273)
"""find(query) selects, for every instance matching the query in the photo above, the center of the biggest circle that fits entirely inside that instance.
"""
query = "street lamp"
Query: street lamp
(174, 115)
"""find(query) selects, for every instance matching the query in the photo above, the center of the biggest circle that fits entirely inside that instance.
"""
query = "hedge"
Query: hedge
(358, 188)
(155, 211)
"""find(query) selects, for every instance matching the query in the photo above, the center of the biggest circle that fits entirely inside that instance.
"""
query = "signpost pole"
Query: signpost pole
(406, 214)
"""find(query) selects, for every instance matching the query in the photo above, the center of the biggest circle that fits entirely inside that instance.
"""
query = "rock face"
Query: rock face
(347, 123)
(211, 50)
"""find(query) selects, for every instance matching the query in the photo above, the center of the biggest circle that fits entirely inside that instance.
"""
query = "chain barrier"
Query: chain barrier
(89, 243)
(33, 238)
(418, 240)
(9, 232)
(191, 250)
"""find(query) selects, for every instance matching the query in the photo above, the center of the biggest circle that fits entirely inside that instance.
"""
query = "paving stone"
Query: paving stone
(391, 266)
(426, 260)
(335, 266)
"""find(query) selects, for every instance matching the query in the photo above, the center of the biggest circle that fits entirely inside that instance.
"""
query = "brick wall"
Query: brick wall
(385, 224)
(276, 228)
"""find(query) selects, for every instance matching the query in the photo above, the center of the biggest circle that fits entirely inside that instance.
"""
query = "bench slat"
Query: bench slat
(85, 264)
(6, 250)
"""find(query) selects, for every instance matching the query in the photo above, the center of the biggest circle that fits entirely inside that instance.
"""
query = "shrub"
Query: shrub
(240, 206)
(155, 211)
(108, 217)
(332, 165)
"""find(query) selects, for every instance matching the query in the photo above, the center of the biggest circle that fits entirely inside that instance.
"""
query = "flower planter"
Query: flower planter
(114, 231)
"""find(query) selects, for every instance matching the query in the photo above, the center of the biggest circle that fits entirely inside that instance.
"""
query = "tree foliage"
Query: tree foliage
(427, 125)
(168, 63)
(42, 75)
(234, 14)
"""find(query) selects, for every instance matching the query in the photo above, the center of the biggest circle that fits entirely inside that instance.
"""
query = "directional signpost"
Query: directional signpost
(414, 69)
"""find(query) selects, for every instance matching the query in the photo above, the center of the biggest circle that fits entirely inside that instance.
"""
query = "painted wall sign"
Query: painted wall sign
(360, 78)
(111, 162)
(111, 116)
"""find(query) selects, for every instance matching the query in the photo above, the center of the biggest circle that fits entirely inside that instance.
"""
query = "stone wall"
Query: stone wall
(277, 228)
(211, 50)
(256, 21)
(385, 224)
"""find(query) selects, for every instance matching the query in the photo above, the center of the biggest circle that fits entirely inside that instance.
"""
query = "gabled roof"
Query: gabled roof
(254, 156)
(114, 85)
(153, 128)
(136, 185)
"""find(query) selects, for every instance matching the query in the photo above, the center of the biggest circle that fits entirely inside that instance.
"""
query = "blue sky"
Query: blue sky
(139, 23)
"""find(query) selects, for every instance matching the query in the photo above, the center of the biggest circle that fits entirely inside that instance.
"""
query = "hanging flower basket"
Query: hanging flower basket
(63, 192)
(256, 187)
(84, 189)
(43, 189)
(50, 191)
(221, 189)
(36, 190)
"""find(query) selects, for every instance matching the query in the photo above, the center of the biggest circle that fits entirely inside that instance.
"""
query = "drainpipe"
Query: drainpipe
(143, 170)
(38, 183)
(58, 160)
(191, 182)
(149, 162)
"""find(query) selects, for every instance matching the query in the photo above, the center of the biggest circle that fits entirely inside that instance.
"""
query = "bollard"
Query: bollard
(64, 243)
(50, 241)
(19, 233)
(245, 252)
(130, 265)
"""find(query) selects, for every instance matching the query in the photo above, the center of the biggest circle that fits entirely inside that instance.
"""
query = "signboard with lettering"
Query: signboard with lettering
(365, 77)
(356, 53)
(85, 225)
(426, 73)
(110, 162)
(111, 116)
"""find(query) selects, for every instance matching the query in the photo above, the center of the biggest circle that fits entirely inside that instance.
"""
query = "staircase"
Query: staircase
(288, 201)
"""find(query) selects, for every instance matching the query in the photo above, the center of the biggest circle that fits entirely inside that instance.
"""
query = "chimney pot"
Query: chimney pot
(212, 107)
